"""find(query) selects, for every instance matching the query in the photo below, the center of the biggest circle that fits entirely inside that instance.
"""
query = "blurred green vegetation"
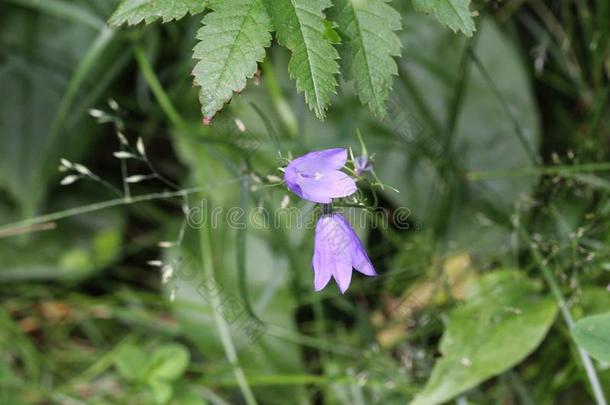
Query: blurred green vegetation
(497, 143)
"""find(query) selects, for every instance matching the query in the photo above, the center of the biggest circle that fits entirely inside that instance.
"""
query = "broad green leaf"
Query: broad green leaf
(32, 139)
(301, 27)
(483, 138)
(367, 28)
(132, 362)
(503, 320)
(134, 12)
(168, 362)
(455, 14)
(186, 394)
(161, 390)
(593, 334)
(232, 40)
(593, 300)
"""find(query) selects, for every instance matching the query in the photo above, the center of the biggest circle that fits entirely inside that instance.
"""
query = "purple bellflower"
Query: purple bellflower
(362, 164)
(337, 249)
(317, 177)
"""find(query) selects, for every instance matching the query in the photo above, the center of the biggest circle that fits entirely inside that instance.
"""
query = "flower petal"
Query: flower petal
(337, 249)
(362, 164)
(325, 186)
(359, 259)
(321, 160)
(331, 254)
(322, 273)
(343, 276)
(291, 178)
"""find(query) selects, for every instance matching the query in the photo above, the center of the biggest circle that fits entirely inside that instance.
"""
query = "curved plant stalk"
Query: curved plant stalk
(207, 264)
(548, 275)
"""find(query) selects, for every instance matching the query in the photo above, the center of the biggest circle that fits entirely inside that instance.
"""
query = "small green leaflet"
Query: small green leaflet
(135, 11)
(367, 27)
(593, 334)
(452, 13)
(502, 321)
(301, 27)
(232, 40)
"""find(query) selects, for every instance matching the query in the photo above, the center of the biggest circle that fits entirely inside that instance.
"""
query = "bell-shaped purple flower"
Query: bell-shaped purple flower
(337, 249)
(362, 164)
(317, 177)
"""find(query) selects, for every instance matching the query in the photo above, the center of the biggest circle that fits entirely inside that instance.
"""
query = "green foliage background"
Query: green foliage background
(491, 119)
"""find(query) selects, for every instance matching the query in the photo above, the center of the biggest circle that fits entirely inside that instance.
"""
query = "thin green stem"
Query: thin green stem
(424, 110)
(459, 94)
(157, 89)
(538, 171)
(88, 62)
(240, 248)
(270, 130)
(304, 379)
(9, 229)
(535, 159)
(279, 102)
(320, 325)
(119, 129)
(447, 167)
(64, 9)
(567, 317)
(207, 263)
(100, 365)
(106, 184)
(323, 344)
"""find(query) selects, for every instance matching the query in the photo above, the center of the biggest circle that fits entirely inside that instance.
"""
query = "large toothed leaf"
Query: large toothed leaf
(367, 28)
(135, 11)
(232, 41)
(452, 13)
(301, 27)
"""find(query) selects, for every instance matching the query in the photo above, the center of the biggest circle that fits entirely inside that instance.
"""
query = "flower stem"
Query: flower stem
(567, 316)
(240, 246)
(564, 171)
(207, 263)
(282, 107)
(157, 89)
(9, 229)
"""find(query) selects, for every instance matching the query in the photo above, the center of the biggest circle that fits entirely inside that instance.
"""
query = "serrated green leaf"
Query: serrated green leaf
(134, 12)
(367, 27)
(232, 41)
(455, 14)
(593, 334)
(503, 320)
(301, 27)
